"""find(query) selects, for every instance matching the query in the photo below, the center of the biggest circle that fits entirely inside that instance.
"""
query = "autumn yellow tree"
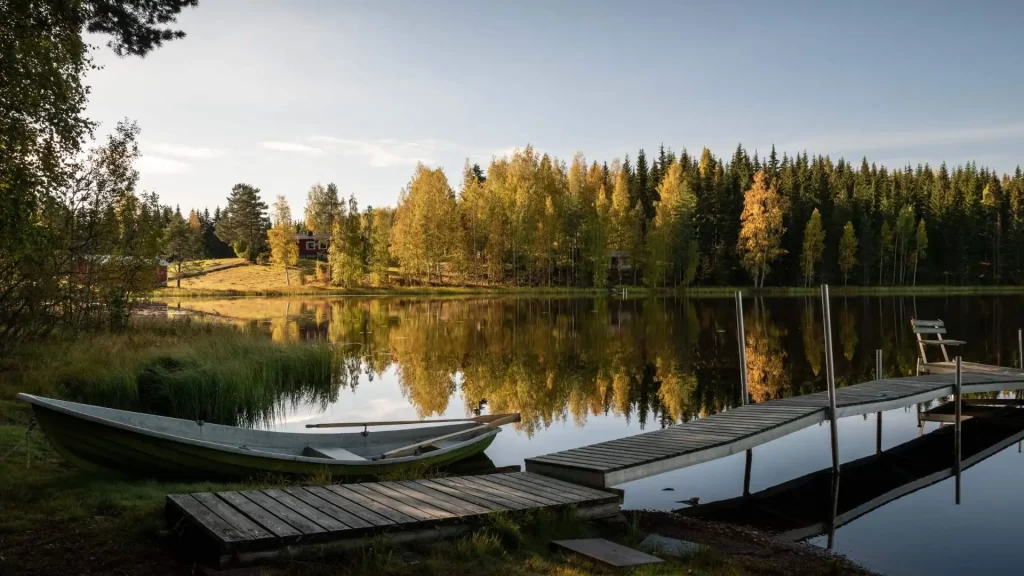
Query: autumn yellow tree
(284, 250)
(671, 250)
(625, 228)
(761, 229)
(421, 235)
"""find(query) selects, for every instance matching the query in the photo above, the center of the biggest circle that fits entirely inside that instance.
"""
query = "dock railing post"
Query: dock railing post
(878, 376)
(830, 376)
(958, 387)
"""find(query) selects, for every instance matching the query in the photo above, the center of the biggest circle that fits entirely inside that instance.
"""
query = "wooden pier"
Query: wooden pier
(618, 461)
(258, 525)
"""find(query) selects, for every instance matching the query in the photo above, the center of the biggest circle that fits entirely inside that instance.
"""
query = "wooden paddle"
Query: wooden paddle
(483, 419)
(411, 448)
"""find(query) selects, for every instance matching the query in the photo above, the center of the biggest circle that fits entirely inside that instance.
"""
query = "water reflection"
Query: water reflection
(654, 361)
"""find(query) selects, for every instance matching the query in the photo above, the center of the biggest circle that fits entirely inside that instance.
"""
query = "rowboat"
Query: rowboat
(92, 437)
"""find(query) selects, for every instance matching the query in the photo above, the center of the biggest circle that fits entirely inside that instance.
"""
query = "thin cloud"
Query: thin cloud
(385, 153)
(160, 165)
(293, 147)
(902, 140)
(181, 150)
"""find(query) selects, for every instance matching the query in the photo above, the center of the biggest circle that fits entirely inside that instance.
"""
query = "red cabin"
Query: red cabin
(313, 245)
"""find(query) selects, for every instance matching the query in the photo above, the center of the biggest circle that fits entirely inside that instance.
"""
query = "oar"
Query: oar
(484, 418)
(411, 448)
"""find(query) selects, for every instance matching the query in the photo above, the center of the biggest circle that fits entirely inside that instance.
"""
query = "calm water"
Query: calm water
(582, 371)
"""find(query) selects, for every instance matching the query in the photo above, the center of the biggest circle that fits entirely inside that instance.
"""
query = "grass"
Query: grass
(264, 280)
(182, 368)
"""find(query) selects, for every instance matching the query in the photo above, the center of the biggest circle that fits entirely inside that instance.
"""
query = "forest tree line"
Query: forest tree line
(672, 221)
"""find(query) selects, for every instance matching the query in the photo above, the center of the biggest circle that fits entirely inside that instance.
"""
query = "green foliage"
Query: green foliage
(284, 251)
(322, 207)
(244, 222)
(814, 247)
(421, 235)
(182, 245)
(848, 250)
(56, 208)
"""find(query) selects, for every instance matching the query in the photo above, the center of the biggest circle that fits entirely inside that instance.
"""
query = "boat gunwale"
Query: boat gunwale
(50, 404)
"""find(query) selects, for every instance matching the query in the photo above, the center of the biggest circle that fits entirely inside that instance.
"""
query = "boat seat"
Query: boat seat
(330, 452)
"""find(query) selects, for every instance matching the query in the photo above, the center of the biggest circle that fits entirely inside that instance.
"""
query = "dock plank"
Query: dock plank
(339, 514)
(462, 494)
(350, 506)
(346, 492)
(250, 530)
(252, 523)
(304, 509)
(214, 525)
(278, 526)
(293, 518)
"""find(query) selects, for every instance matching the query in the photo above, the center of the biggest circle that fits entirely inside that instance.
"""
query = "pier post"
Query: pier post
(958, 386)
(746, 473)
(741, 339)
(878, 376)
(1020, 347)
(830, 376)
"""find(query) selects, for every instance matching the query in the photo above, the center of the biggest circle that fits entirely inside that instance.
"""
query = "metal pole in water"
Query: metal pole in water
(830, 377)
(878, 376)
(1020, 347)
(956, 392)
(746, 473)
(741, 339)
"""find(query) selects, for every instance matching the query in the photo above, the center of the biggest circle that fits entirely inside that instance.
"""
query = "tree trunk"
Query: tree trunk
(287, 279)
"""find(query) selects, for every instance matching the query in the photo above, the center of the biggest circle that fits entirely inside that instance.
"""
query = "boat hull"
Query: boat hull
(92, 445)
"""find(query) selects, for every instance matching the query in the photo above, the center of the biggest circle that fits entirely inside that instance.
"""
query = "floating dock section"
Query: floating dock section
(618, 461)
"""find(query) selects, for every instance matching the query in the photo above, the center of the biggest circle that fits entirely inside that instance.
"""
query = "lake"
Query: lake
(586, 370)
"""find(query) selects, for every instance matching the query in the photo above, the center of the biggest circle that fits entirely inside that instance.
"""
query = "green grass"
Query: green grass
(181, 368)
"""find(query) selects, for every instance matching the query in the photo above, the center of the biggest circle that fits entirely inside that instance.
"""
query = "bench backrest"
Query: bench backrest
(936, 327)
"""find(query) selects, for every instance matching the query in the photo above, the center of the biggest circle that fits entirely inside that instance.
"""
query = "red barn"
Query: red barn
(313, 245)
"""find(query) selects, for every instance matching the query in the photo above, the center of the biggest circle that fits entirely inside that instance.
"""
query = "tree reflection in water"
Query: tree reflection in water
(654, 360)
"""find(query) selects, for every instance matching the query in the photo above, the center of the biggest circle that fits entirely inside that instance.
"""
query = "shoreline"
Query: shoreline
(630, 291)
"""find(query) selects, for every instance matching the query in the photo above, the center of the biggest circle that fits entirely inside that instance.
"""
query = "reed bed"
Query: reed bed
(182, 368)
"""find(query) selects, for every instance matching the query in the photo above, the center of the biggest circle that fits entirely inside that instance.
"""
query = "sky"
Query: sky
(282, 95)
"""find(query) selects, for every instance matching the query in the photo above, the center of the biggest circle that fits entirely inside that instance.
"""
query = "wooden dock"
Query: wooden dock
(618, 461)
(257, 525)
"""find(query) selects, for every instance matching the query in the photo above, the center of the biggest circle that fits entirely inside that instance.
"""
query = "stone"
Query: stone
(656, 544)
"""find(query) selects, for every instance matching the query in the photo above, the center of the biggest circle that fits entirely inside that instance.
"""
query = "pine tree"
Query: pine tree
(847, 251)
(182, 245)
(243, 223)
(813, 248)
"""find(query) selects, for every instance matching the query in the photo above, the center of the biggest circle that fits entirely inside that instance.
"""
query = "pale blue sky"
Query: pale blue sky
(285, 94)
